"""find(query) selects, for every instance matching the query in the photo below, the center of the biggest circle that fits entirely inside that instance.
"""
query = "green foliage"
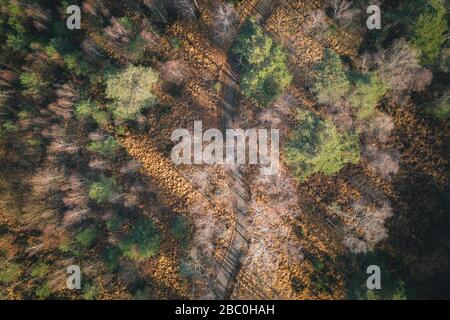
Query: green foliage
(32, 82)
(13, 21)
(39, 270)
(264, 72)
(9, 272)
(430, 31)
(440, 108)
(43, 292)
(7, 128)
(90, 292)
(316, 146)
(111, 257)
(252, 46)
(136, 49)
(77, 65)
(331, 82)
(106, 148)
(87, 109)
(175, 42)
(369, 90)
(16, 42)
(51, 52)
(142, 242)
(131, 91)
(179, 228)
(103, 190)
(65, 247)
(217, 87)
(114, 223)
(87, 236)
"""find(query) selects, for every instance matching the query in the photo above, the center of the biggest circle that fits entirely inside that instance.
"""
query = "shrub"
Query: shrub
(179, 228)
(32, 82)
(316, 146)
(76, 64)
(87, 236)
(39, 270)
(111, 258)
(106, 148)
(142, 242)
(392, 288)
(43, 292)
(103, 190)
(136, 50)
(9, 272)
(87, 109)
(90, 292)
(440, 108)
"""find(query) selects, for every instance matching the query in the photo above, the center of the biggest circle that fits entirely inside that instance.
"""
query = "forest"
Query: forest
(87, 180)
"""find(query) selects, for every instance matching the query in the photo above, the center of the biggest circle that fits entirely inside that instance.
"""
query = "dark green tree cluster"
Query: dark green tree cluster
(107, 147)
(333, 83)
(430, 30)
(264, 71)
(422, 22)
(316, 146)
(142, 242)
(131, 91)
(104, 189)
(440, 107)
(369, 90)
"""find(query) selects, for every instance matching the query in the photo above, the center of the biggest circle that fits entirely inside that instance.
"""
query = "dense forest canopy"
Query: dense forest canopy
(86, 178)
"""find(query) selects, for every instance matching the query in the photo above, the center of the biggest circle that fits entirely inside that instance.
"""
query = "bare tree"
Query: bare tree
(398, 66)
(185, 9)
(315, 23)
(130, 167)
(40, 17)
(173, 71)
(98, 164)
(225, 18)
(92, 51)
(384, 162)
(47, 180)
(118, 32)
(75, 215)
(269, 226)
(363, 224)
(422, 80)
(343, 12)
(379, 128)
(60, 145)
(96, 8)
(158, 7)
(61, 108)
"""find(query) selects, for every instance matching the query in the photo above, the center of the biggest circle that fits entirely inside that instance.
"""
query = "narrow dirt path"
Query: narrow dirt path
(240, 192)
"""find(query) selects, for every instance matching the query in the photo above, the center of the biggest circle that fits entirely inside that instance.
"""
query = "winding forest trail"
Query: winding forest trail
(240, 192)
